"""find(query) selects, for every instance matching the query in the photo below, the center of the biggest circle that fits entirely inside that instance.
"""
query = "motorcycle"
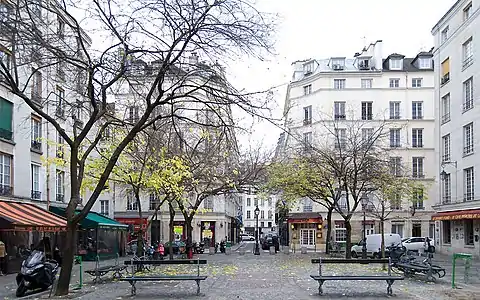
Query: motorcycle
(36, 273)
(222, 246)
(199, 247)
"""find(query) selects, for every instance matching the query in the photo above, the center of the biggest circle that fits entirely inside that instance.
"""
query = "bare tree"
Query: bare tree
(44, 38)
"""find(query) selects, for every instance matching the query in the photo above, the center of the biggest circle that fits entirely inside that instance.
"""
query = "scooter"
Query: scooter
(222, 246)
(36, 273)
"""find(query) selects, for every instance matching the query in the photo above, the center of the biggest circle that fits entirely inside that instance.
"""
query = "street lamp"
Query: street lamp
(364, 202)
(257, 249)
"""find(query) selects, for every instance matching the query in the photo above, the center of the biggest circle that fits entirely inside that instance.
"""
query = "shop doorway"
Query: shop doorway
(307, 237)
(416, 230)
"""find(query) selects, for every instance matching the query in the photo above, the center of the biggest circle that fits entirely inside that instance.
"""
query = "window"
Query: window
(262, 214)
(416, 82)
(307, 205)
(468, 94)
(367, 135)
(37, 86)
(367, 111)
(36, 133)
(153, 202)
(307, 90)
(418, 198)
(249, 202)
(262, 224)
(340, 138)
(61, 69)
(395, 64)
(307, 115)
(307, 140)
(445, 71)
(394, 82)
(467, 11)
(263, 202)
(445, 108)
(396, 166)
(208, 203)
(398, 229)
(338, 63)
(270, 201)
(6, 114)
(60, 186)
(60, 102)
(60, 146)
(447, 232)
(249, 216)
(366, 83)
(255, 202)
(5, 174)
(468, 184)
(133, 115)
(339, 111)
(131, 201)
(446, 148)
(104, 209)
(467, 53)
(269, 224)
(468, 229)
(394, 110)
(425, 63)
(395, 137)
(395, 201)
(417, 110)
(339, 84)
(340, 231)
(270, 216)
(417, 137)
(444, 34)
(364, 64)
(36, 182)
(308, 67)
(468, 139)
(417, 167)
(447, 189)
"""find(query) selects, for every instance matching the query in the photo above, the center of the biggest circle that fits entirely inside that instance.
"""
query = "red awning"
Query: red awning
(457, 215)
(136, 222)
(29, 217)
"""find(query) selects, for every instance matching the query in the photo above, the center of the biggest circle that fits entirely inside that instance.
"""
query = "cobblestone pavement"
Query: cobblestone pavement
(275, 277)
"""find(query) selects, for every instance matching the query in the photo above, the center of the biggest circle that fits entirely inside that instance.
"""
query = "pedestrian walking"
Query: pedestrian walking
(3, 255)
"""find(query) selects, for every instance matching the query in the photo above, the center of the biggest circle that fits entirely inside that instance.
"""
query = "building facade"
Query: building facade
(266, 216)
(367, 91)
(457, 120)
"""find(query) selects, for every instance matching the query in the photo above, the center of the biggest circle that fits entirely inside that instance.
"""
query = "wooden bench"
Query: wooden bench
(100, 271)
(133, 278)
(390, 279)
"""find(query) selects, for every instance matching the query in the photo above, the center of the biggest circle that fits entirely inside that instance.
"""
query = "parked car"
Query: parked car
(417, 243)
(247, 237)
(374, 244)
(270, 239)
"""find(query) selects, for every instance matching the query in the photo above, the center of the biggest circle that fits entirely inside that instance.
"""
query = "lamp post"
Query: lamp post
(257, 249)
(364, 200)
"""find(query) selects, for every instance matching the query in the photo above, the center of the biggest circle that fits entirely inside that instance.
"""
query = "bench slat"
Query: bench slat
(346, 277)
(166, 262)
(106, 269)
(162, 278)
(350, 261)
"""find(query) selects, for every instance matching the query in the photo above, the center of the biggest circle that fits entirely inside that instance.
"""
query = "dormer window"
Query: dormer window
(425, 63)
(308, 68)
(396, 64)
(338, 64)
(364, 63)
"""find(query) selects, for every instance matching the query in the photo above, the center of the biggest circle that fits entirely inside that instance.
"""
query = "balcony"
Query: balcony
(60, 198)
(36, 195)
(36, 146)
(5, 190)
(307, 121)
(467, 105)
(445, 118)
(340, 117)
(6, 134)
(445, 78)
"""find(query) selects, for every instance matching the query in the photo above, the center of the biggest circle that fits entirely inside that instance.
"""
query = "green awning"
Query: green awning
(93, 220)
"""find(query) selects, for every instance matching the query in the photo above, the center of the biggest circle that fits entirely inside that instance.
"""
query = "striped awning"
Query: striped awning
(19, 216)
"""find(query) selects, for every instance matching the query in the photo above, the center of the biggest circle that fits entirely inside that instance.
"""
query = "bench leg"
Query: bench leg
(134, 289)
(389, 287)
(198, 286)
(320, 289)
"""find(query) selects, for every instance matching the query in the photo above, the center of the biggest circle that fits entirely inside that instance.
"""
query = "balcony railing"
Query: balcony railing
(446, 118)
(367, 117)
(394, 116)
(35, 145)
(395, 144)
(417, 117)
(468, 149)
(5, 190)
(446, 158)
(307, 121)
(417, 145)
(37, 195)
(340, 117)
(446, 199)
(418, 175)
(6, 134)
(445, 78)
(467, 105)
(468, 197)
(467, 61)
(60, 197)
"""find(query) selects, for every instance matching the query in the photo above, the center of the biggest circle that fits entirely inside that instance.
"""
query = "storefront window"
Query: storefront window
(468, 228)
(340, 232)
(447, 232)
(398, 229)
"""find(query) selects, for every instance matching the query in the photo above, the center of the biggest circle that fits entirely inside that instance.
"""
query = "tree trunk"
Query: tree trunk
(329, 229)
(348, 244)
(67, 263)
(171, 231)
(382, 232)
(189, 227)
(140, 244)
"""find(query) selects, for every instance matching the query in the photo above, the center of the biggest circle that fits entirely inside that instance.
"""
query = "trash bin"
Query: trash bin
(228, 244)
(272, 250)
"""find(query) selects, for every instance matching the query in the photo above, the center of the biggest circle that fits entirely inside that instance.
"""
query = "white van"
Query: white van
(374, 244)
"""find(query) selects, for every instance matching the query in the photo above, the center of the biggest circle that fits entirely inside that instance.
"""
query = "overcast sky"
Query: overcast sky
(326, 28)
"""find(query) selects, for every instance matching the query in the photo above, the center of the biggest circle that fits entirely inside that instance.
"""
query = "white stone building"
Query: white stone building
(457, 113)
(266, 216)
(368, 90)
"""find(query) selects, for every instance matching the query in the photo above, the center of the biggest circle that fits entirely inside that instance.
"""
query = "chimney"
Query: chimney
(193, 59)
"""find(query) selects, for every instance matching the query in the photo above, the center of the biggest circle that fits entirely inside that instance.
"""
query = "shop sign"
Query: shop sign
(456, 217)
(302, 221)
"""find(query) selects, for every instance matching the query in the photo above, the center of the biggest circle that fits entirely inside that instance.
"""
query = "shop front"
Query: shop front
(306, 229)
(134, 225)
(207, 233)
(23, 225)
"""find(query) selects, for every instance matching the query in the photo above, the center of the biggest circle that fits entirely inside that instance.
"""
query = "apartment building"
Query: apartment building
(369, 91)
(266, 216)
(457, 119)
